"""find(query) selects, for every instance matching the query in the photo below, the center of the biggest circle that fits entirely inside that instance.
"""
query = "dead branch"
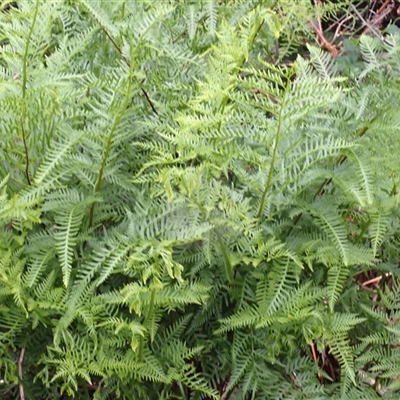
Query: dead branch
(20, 361)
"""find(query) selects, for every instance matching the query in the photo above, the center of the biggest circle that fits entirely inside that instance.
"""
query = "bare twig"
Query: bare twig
(315, 358)
(366, 23)
(151, 104)
(380, 15)
(383, 6)
(337, 32)
(319, 32)
(313, 353)
(375, 280)
(21, 387)
(324, 42)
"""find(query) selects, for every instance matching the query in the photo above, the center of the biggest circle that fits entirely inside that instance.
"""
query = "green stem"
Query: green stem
(25, 57)
(149, 314)
(146, 95)
(24, 80)
(228, 265)
(238, 69)
(22, 117)
(363, 232)
(182, 390)
(109, 145)
(273, 161)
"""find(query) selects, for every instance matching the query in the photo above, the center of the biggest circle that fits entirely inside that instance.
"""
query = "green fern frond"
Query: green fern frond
(193, 380)
(67, 227)
(337, 276)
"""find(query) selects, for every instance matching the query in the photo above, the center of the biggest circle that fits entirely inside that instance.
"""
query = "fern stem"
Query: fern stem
(239, 68)
(109, 145)
(272, 165)
(25, 150)
(25, 57)
(228, 265)
(24, 80)
(148, 315)
(182, 390)
(146, 95)
(363, 231)
(118, 48)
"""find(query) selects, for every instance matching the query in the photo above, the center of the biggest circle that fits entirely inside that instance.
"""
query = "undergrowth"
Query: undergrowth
(193, 208)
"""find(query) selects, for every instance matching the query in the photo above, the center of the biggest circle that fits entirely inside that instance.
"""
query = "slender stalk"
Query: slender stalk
(182, 390)
(239, 68)
(25, 57)
(109, 145)
(20, 374)
(148, 315)
(146, 95)
(363, 232)
(272, 165)
(24, 80)
(228, 265)
(25, 150)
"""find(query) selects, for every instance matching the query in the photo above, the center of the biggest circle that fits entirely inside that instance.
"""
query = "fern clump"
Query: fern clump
(185, 214)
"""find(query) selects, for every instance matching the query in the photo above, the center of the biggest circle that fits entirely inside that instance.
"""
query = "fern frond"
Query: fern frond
(337, 276)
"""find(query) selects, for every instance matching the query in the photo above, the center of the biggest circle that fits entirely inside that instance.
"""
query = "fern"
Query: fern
(190, 210)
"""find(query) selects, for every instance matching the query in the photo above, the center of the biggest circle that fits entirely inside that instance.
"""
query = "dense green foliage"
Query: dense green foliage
(187, 206)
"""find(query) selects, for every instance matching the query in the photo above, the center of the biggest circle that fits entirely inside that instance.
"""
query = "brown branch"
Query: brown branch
(313, 352)
(151, 104)
(337, 31)
(322, 40)
(383, 6)
(381, 14)
(375, 280)
(318, 30)
(115, 45)
(264, 94)
(367, 24)
(315, 358)
(21, 387)
(338, 21)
